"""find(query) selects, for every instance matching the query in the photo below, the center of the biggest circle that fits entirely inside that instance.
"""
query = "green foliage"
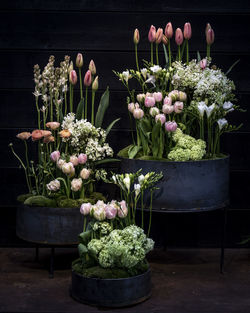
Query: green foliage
(123, 153)
(133, 151)
(40, 201)
(108, 129)
(80, 109)
(95, 196)
(103, 105)
(67, 203)
(22, 198)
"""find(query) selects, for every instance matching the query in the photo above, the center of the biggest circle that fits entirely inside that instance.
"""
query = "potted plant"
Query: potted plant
(70, 146)
(112, 269)
(179, 114)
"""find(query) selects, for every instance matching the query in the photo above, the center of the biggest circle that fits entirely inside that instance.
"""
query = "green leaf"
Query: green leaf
(232, 66)
(165, 53)
(198, 56)
(103, 105)
(108, 129)
(132, 152)
(155, 138)
(85, 237)
(183, 48)
(106, 161)
(161, 144)
(123, 153)
(82, 249)
(80, 109)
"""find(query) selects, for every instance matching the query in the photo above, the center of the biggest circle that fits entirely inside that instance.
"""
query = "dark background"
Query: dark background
(103, 31)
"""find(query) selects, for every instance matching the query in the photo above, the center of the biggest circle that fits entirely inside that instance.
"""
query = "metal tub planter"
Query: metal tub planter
(187, 186)
(45, 225)
(111, 292)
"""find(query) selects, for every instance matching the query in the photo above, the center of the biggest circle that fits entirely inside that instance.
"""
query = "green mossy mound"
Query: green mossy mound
(40, 201)
(67, 203)
(22, 198)
(95, 196)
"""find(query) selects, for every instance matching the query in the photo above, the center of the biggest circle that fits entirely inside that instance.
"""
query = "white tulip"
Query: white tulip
(54, 185)
(76, 184)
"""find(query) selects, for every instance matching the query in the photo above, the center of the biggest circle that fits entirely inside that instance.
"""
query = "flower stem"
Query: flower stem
(152, 51)
(208, 51)
(86, 104)
(136, 58)
(80, 80)
(84, 224)
(93, 108)
(156, 53)
(65, 103)
(38, 114)
(150, 212)
(169, 52)
(179, 53)
(142, 212)
(187, 50)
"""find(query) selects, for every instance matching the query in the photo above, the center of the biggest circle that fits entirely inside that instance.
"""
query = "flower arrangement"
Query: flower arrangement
(111, 245)
(180, 109)
(71, 142)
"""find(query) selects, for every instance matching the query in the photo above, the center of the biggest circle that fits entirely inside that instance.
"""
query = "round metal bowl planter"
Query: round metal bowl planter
(53, 226)
(186, 186)
(111, 292)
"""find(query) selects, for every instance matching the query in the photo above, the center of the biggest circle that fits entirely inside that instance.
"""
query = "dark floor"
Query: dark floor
(183, 281)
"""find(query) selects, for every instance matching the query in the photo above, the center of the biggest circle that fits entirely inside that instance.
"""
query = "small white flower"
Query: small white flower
(141, 179)
(36, 93)
(144, 72)
(201, 108)
(155, 68)
(126, 182)
(227, 105)
(125, 75)
(151, 79)
(222, 122)
(209, 109)
(137, 188)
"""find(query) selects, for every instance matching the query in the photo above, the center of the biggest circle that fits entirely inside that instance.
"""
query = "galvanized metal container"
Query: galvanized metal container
(111, 292)
(53, 226)
(186, 186)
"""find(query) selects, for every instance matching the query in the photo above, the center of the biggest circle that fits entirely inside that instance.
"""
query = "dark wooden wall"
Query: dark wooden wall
(103, 30)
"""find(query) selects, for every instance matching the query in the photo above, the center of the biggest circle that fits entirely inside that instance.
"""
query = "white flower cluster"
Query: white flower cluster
(86, 138)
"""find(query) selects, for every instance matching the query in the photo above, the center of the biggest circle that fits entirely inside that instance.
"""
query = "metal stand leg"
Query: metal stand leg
(37, 253)
(223, 239)
(51, 266)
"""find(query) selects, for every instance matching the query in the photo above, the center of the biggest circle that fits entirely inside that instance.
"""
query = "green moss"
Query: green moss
(95, 196)
(67, 203)
(40, 201)
(151, 158)
(85, 200)
(22, 198)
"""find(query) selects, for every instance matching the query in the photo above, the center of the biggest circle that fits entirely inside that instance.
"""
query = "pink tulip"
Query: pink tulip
(178, 36)
(73, 77)
(208, 26)
(123, 210)
(131, 107)
(82, 158)
(138, 113)
(174, 95)
(79, 60)
(164, 40)
(92, 67)
(85, 173)
(110, 211)
(149, 102)
(55, 156)
(140, 97)
(154, 111)
(210, 36)
(169, 30)
(167, 109)
(85, 208)
(178, 107)
(170, 126)
(167, 100)
(136, 36)
(161, 118)
(203, 64)
(152, 34)
(87, 79)
(187, 31)
(157, 96)
(74, 160)
(158, 36)
(182, 96)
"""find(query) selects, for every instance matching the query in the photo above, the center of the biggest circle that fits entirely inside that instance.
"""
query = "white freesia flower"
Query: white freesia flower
(222, 122)
(114, 178)
(227, 105)
(144, 72)
(54, 185)
(151, 79)
(209, 109)
(201, 108)
(125, 75)
(155, 68)
(126, 182)
(141, 179)
(137, 189)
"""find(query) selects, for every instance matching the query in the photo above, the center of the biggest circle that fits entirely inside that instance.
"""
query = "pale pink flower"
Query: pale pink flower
(170, 126)
(161, 118)
(55, 156)
(82, 158)
(149, 102)
(74, 160)
(157, 96)
(167, 109)
(178, 107)
(110, 211)
(85, 208)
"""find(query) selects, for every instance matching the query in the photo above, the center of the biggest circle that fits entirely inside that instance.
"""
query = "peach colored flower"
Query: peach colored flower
(53, 125)
(65, 133)
(49, 139)
(46, 133)
(24, 135)
(37, 134)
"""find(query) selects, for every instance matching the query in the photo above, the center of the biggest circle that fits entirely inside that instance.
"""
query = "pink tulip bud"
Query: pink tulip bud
(161, 118)
(154, 111)
(110, 211)
(203, 64)
(55, 156)
(140, 97)
(79, 60)
(87, 79)
(149, 102)
(157, 96)
(85, 208)
(95, 84)
(210, 36)
(158, 36)
(85, 173)
(74, 160)
(167, 100)
(71, 67)
(92, 67)
(187, 31)
(169, 30)
(152, 34)
(164, 40)
(82, 158)
(178, 36)
(182, 96)
(178, 107)
(136, 36)
(76, 184)
(167, 109)
(73, 77)
(208, 26)
(138, 113)
(170, 126)
(131, 107)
